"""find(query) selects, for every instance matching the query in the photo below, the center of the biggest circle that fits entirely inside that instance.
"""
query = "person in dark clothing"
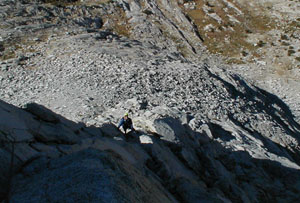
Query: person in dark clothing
(126, 123)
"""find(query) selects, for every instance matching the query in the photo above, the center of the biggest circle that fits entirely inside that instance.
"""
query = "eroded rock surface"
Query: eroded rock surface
(171, 157)
(69, 72)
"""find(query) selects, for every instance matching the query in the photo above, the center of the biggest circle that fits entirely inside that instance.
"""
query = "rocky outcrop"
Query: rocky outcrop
(87, 175)
(203, 133)
(171, 157)
(37, 165)
(34, 29)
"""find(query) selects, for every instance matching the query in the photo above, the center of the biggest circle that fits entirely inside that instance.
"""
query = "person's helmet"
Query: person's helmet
(126, 114)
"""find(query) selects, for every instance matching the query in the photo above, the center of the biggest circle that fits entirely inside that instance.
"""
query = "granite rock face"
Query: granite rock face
(168, 158)
(69, 72)
(85, 176)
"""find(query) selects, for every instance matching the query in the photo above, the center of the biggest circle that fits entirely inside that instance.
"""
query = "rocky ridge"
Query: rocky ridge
(172, 157)
(260, 31)
(203, 133)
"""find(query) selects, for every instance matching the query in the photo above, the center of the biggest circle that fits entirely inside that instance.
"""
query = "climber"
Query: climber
(126, 123)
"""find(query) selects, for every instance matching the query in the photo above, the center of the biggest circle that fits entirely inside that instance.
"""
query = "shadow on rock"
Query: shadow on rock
(60, 160)
(279, 120)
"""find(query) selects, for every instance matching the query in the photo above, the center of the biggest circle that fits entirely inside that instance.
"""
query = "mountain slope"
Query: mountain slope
(174, 156)
(204, 133)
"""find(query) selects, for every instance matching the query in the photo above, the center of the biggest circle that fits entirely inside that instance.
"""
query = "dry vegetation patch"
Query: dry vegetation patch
(21, 44)
(225, 26)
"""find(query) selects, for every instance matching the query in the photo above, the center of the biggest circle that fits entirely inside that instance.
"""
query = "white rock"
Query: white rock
(145, 139)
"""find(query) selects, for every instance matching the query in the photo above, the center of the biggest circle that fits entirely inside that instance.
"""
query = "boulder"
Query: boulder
(145, 139)
(169, 129)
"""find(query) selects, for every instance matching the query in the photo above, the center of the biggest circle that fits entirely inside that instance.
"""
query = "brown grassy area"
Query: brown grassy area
(119, 21)
(94, 2)
(228, 38)
(21, 44)
(61, 2)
